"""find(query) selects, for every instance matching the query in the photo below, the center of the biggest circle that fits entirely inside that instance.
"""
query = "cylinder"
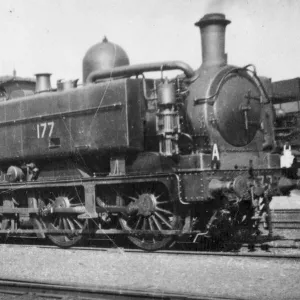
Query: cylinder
(217, 186)
(43, 83)
(212, 29)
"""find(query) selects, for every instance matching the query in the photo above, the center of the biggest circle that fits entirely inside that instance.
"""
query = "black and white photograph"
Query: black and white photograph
(150, 149)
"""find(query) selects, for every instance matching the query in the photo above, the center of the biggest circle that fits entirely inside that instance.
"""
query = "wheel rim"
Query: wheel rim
(154, 213)
(64, 222)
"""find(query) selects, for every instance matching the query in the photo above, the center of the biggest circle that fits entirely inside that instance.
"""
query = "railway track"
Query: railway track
(108, 273)
(254, 251)
(292, 255)
(19, 289)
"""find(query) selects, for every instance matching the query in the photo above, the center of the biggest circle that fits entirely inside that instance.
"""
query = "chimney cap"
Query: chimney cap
(214, 18)
(43, 74)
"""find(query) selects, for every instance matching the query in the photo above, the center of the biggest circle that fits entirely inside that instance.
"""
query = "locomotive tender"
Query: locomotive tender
(155, 159)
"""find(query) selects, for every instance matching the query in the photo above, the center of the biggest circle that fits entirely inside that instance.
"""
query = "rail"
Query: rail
(61, 291)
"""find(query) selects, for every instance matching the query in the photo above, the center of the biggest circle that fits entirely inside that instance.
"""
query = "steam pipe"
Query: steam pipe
(129, 71)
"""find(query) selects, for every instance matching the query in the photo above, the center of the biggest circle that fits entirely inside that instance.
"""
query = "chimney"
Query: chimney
(43, 83)
(212, 29)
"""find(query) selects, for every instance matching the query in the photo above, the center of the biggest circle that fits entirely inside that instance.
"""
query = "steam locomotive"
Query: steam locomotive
(155, 159)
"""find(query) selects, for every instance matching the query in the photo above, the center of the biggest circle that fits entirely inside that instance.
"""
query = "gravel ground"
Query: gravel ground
(249, 278)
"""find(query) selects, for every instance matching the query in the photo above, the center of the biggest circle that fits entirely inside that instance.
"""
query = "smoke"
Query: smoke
(220, 6)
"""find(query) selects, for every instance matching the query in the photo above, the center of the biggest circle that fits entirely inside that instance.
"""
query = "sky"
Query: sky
(54, 35)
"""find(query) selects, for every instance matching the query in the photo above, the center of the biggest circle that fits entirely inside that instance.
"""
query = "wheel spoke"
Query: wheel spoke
(51, 200)
(60, 223)
(144, 224)
(71, 225)
(132, 198)
(156, 223)
(77, 223)
(150, 223)
(162, 218)
(157, 197)
(66, 227)
(167, 212)
(162, 202)
(55, 221)
(138, 222)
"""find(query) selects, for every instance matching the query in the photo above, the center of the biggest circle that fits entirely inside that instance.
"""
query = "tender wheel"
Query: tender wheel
(156, 212)
(63, 222)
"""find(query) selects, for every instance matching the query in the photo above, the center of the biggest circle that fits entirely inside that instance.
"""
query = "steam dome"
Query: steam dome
(103, 56)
